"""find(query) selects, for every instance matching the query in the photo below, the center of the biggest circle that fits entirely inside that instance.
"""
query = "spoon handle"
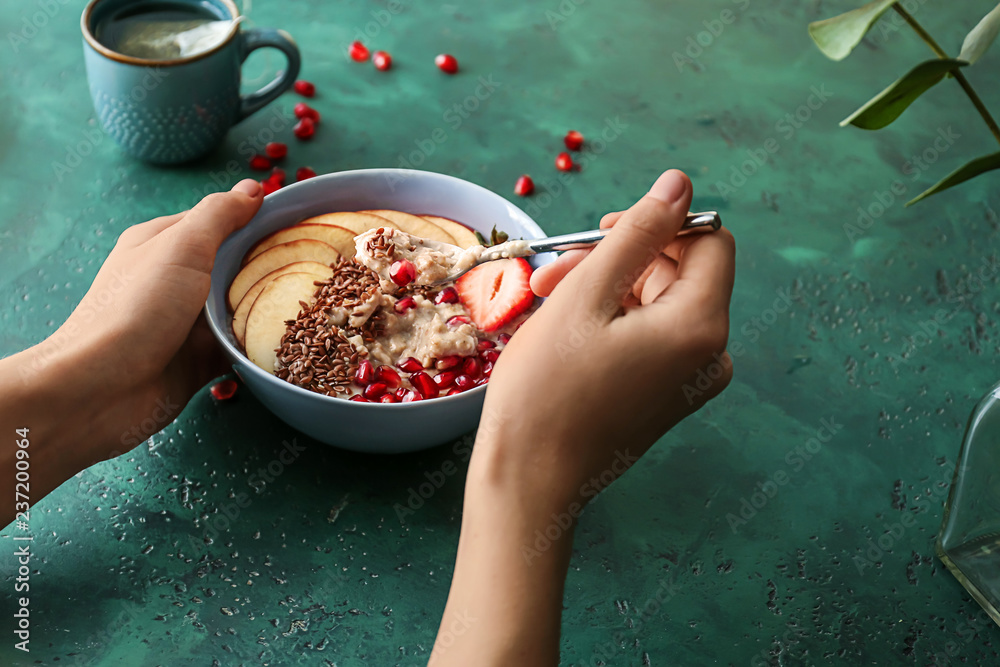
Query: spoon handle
(695, 223)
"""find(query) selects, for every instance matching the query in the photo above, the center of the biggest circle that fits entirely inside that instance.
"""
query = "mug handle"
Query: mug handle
(257, 38)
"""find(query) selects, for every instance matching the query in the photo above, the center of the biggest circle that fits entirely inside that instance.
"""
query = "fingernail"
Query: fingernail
(669, 187)
(247, 186)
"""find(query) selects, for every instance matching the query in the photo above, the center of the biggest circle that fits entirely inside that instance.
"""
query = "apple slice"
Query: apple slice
(277, 302)
(464, 237)
(303, 250)
(338, 237)
(357, 223)
(415, 225)
(321, 272)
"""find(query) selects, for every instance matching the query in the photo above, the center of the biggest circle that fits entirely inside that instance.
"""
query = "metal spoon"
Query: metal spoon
(695, 223)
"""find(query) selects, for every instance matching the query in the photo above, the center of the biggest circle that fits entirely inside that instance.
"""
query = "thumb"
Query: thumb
(637, 238)
(218, 215)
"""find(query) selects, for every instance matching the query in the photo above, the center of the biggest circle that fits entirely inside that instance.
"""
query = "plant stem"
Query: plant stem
(957, 73)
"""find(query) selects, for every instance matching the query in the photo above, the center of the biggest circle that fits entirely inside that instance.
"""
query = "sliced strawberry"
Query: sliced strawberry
(496, 292)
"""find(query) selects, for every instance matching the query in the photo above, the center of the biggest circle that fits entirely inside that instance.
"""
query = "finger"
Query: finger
(636, 239)
(545, 278)
(218, 215)
(136, 235)
(706, 271)
(610, 219)
(660, 274)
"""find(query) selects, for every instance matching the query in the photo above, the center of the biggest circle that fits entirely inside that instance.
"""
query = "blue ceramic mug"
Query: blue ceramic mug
(176, 110)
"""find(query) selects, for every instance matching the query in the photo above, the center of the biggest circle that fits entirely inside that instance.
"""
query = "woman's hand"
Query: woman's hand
(614, 358)
(132, 353)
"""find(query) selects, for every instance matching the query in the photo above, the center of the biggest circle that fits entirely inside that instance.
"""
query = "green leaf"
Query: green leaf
(836, 37)
(980, 38)
(980, 165)
(891, 102)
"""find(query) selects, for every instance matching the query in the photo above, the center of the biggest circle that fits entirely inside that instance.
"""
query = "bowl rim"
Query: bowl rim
(273, 200)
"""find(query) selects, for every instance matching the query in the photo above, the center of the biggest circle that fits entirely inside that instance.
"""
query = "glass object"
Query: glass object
(969, 543)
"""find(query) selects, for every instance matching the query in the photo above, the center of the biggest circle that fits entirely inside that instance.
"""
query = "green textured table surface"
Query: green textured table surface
(790, 522)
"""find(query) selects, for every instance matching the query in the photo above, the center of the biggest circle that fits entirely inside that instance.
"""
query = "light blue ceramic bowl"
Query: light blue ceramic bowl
(365, 427)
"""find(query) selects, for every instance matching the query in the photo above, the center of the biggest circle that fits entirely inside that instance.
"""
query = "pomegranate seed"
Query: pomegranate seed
(410, 396)
(450, 361)
(423, 383)
(445, 379)
(375, 390)
(358, 398)
(387, 376)
(382, 60)
(303, 110)
(358, 52)
(305, 88)
(446, 63)
(388, 398)
(276, 150)
(224, 390)
(363, 376)
(485, 345)
(564, 162)
(269, 185)
(464, 382)
(472, 367)
(260, 162)
(481, 381)
(302, 173)
(403, 272)
(304, 129)
(401, 392)
(458, 320)
(487, 369)
(277, 175)
(503, 338)
(447, 295)
(573, 140)
(490, 356)
(524, 186)
(410, 365)
(404, 305)
(454, 391)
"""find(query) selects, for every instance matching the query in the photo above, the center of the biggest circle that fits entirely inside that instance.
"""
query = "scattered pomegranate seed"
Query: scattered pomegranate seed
(458, 320)
(302, 173)
(304, 129)
(503, 338)
(524, 186)
(564, 162)
(445, 379)
(410, 365)
(269, 185)
(573, 140)
(447, 295)
(449, 361)
(375, 390)
(305, 88)
(487, 369)
(472, 367)
(277, 175)
(358, 398)
(410, 396)
(446, 63)
(403, 272)
(260, 162)
(387, 376)
(423, 383)
(382, 60)
(363, 376)
(224, 390)
(388, 398)
(490, 356)
(358, 52)
(464, 382)
(485, 345)
(303, 110)
(276, 150)
(404, 305)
